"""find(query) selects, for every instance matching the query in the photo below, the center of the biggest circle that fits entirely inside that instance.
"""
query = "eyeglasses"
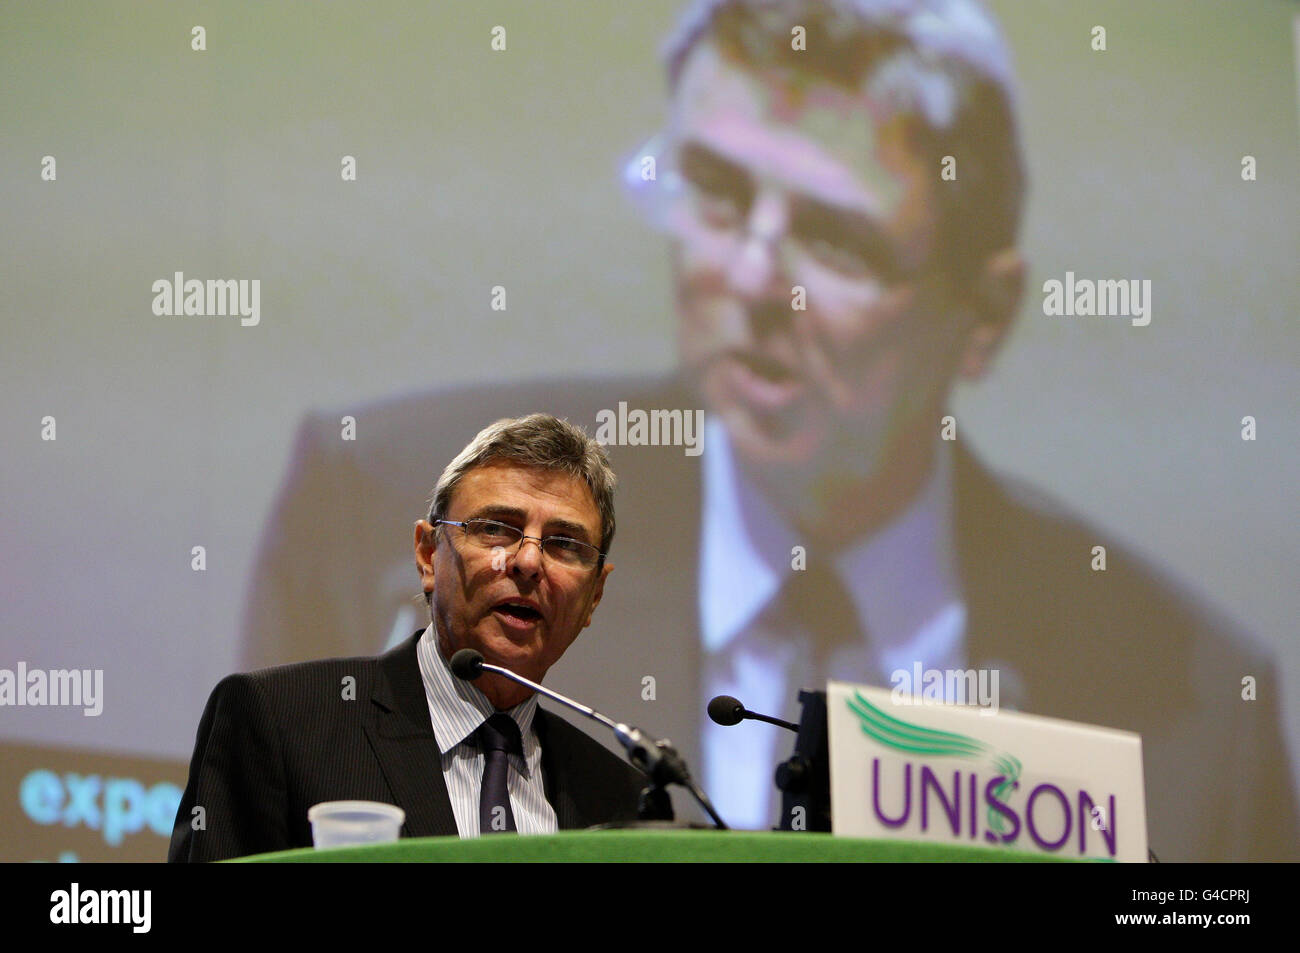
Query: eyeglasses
(697, 195)
(489, 534)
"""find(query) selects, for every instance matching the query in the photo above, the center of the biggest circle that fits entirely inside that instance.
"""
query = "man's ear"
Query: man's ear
(995, 300)
(426, 541)
(599, 592)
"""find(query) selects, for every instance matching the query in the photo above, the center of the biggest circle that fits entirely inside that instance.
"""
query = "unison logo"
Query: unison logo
(56, 688)
(1050, 816)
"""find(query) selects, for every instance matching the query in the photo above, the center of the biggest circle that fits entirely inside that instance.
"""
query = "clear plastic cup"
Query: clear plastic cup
(346, 823)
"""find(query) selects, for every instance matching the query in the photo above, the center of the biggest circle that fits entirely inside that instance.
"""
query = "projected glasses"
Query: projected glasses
(707, 199)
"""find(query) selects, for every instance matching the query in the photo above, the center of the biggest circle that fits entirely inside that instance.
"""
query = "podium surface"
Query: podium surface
(641, 846)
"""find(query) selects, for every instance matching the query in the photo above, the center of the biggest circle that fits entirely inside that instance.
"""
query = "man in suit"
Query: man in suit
(512, 559)
(831, 288)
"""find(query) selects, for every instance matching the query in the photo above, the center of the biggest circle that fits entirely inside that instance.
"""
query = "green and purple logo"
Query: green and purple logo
(1047, 809)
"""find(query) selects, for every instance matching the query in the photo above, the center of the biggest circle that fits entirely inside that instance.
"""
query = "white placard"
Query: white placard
(912, 770)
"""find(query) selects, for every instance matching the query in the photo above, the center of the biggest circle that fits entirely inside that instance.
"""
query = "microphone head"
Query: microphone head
(726, 710)
(467, 664)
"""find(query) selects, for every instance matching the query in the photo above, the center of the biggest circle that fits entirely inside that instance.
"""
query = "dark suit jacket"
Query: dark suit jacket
(1125, 648)
(274, 742)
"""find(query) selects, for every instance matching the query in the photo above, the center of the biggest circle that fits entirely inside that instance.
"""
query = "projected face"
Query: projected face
(521, 608)
(813, 314)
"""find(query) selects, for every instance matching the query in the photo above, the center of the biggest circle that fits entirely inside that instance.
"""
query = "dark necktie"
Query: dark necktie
(816, 598)
(498, 738)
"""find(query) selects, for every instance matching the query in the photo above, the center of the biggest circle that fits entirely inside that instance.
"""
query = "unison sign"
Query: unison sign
(943, 773)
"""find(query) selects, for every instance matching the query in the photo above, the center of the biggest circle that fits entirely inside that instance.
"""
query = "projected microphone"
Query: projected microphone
(656, 759)
(726, 710)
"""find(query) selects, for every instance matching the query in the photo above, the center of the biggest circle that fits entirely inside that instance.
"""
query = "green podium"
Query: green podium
(642, 846)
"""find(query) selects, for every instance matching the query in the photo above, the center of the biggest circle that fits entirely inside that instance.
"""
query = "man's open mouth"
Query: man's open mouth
(767, 368)
(766, 384)
(522, 612)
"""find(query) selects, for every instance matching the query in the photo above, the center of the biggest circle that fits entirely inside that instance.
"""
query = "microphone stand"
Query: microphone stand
(805, 779)
(657, 759)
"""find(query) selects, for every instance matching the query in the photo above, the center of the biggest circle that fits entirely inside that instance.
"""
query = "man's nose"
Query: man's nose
(756, 271)
(528, 557)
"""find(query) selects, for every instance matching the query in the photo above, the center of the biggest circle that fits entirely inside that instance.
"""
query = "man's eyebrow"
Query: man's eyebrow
(849, 228)
(556, 526)
(701, 162)
(498, 511)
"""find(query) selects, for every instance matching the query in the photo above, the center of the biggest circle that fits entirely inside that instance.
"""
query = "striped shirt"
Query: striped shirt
(457, 708)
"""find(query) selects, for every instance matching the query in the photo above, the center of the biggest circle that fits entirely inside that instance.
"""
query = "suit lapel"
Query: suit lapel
(556, 775)
(1076, 641)
(985, 537)
(401, 735)
(1008, 564)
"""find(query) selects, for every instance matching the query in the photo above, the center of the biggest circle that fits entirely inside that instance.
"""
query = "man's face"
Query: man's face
(472, 587)
(816, 190)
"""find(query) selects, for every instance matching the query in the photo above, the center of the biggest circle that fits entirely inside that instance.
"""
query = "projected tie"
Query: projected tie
(818, 599)
(498, 738)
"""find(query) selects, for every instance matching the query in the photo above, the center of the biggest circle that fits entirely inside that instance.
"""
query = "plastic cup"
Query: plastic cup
(347, 823)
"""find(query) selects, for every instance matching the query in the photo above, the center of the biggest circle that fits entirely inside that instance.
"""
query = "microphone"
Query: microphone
(657, 760)
(467, 664)
(726, 710)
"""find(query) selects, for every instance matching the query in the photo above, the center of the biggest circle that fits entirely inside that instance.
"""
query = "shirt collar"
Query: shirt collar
(459, 705)
(901, 578)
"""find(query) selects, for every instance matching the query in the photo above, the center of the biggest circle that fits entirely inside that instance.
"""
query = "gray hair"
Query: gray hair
(538, 440)
(943, 61)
